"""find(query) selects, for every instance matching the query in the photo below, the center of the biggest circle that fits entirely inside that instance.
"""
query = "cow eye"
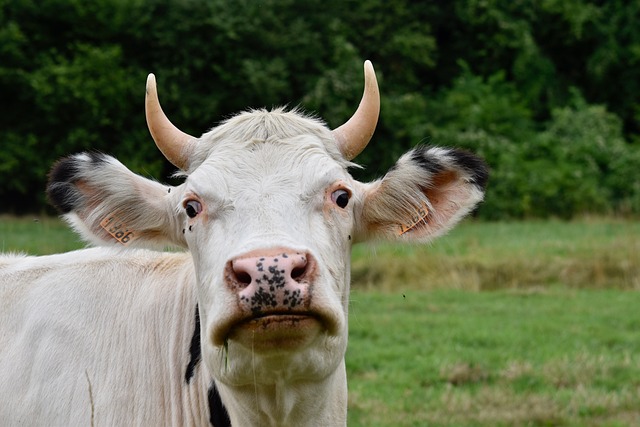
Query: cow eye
(340, 198)
(193, 208)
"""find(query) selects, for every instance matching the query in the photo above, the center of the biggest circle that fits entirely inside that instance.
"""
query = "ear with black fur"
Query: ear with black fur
(106, 203)
(424, 194)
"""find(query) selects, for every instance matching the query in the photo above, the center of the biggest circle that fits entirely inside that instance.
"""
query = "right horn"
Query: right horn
(353, 136)
(174, 144)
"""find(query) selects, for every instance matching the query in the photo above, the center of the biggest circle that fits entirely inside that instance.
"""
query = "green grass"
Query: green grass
(553, 341)
(453, 358)
(36, 235)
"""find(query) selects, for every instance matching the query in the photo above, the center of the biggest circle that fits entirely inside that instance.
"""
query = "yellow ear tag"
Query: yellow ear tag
(118, 229)
(420, 216)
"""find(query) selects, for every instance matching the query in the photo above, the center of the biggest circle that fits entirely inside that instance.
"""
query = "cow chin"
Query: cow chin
(277, 333)
(267, 348)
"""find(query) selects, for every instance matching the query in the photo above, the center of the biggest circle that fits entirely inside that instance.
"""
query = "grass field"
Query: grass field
(36, 235)
(496, 324)
(502, 358)
(590, 253)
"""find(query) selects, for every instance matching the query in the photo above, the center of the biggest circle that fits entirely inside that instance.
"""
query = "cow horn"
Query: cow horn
(353, 136)
(174, 144)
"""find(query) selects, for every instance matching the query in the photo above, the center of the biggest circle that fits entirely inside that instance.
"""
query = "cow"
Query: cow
(246, 325)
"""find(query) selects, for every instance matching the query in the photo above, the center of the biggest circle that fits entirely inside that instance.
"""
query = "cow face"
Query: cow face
(269, 212)
(268, 218)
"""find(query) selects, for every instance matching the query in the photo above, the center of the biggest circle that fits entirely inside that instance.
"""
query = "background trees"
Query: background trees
(547, 91)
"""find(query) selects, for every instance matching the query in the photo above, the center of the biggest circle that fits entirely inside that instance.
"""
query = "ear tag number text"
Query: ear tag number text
(420, 216)
(117, 229)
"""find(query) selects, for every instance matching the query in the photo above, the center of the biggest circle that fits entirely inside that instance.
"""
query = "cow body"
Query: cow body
(101, 334)
(253, 317)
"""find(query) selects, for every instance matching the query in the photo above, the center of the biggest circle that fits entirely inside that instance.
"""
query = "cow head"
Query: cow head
(269, 212)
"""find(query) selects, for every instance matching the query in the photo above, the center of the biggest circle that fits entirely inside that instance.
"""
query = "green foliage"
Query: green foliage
(580, 163)
(546, 91)
(575, 152)
(576, 162)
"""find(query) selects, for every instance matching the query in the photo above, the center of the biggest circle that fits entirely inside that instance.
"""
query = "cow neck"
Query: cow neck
(300, 404)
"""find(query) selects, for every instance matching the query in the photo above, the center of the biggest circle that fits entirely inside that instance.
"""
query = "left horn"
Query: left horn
(353, 136)
(174, 144)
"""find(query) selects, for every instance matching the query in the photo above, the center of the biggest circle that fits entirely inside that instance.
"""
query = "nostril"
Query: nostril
(243, 277)
(239, 272)
(299, 267)
(298, 272)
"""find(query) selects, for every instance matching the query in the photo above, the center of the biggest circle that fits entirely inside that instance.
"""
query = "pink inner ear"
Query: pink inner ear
(447, 194)
(438, 191)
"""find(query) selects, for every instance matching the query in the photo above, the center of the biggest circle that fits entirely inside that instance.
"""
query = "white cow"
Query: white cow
(249, 324)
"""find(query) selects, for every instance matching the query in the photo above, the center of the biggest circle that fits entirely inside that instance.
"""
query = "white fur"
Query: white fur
(98, 331)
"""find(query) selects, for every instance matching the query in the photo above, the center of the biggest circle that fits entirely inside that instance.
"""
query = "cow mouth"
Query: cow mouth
(275, 330)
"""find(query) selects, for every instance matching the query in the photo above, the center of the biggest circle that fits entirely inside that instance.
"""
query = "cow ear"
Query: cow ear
(106, 203)
(423, 195)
